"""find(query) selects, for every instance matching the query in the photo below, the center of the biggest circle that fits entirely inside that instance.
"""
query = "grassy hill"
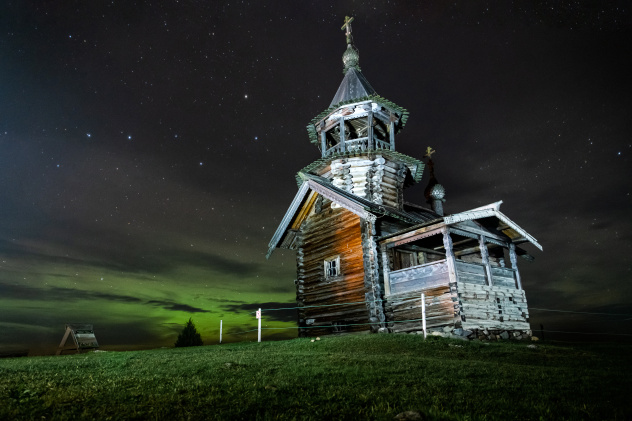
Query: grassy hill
(346, 377)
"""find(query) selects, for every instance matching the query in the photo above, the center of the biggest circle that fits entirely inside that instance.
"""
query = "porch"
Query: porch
(463, 276)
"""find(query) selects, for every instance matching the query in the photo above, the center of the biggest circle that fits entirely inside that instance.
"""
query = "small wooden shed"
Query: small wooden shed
(365, 255)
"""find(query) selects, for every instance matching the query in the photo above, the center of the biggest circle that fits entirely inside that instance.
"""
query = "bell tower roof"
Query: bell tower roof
(353, 86)
(363, 120)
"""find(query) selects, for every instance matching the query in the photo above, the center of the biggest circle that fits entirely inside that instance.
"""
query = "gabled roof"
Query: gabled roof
(354, 85)
(486, 220)
(505, 225)
(355, 204)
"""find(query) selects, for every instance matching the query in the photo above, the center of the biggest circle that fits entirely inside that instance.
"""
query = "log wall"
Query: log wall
(441, 309)
(323, 235)
(373, 178)
(492, 307)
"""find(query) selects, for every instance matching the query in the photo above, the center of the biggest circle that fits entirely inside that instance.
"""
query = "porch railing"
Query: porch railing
(419, 277)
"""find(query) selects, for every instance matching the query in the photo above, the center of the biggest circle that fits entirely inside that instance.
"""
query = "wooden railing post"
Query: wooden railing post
(485, 258)
(449, 255)
(514, 264)
(343, 138)
(386, 270)
(323, 142)
(369, 129)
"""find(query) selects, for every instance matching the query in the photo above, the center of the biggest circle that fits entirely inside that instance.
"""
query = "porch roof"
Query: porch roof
(490, 222)
(503, 223)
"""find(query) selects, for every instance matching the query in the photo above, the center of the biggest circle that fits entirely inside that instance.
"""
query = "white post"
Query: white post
(423, 313)
(259, 317)
(220, 331)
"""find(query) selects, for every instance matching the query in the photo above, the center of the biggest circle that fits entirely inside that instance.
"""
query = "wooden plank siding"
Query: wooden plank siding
(471, 272)
(419, 278)
(326, 234)
(504, 277)
(492, 307)
(441, 309)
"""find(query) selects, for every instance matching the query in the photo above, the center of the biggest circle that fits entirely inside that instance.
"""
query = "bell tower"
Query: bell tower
(356, 137)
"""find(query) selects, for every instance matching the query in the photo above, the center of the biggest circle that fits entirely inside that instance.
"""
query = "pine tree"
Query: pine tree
(189, 336)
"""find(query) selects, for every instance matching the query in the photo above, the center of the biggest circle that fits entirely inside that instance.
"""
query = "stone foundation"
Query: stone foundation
(478, 334)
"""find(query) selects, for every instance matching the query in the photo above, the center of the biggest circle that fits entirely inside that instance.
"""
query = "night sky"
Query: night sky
(148, 152)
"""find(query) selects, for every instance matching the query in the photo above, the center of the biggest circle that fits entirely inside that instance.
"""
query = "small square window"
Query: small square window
(332, 267)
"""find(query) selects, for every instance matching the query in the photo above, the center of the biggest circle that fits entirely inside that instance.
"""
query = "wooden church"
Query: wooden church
(365, 255)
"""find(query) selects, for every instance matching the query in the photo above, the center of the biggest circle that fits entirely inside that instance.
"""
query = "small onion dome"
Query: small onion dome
(351, 58)
(437, 192)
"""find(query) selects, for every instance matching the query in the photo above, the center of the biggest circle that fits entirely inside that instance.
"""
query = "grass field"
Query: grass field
(347, 377)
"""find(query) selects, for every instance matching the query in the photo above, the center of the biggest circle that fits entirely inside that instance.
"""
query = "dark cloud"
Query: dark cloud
(279, 312)
(170, 305)
(129, 257)
(23, 292)
(213, 262)
(56, 294)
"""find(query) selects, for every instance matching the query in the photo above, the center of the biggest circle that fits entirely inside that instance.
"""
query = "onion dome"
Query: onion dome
(437, 192)
(351, 58)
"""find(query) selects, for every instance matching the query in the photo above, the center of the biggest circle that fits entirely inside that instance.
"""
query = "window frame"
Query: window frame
(327, 266)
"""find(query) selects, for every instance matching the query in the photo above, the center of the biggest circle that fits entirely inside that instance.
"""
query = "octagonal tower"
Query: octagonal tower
(356, 138)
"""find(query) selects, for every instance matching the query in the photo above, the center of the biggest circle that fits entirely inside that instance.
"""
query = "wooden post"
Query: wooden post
(423, 313)
(342, 135)
(323, 141)
(259, 332)
(220, 331)
(369, 130)
(485, 258)
(391, 132)
(514, 264)
(449, 255)
(386, 271)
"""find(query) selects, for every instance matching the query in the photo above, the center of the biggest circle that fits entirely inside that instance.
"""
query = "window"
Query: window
(404, 259)
(332, 267)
